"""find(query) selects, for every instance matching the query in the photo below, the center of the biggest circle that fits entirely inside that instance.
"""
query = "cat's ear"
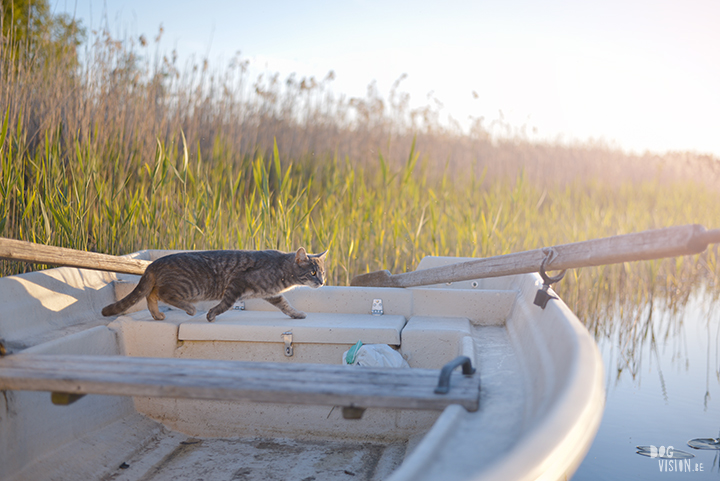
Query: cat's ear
(301, 255)
(321, 256)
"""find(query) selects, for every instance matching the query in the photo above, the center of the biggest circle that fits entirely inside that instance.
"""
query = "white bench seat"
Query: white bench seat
(320, 328)
(290, 383)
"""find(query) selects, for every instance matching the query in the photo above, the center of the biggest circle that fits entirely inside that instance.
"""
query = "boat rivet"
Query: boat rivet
(474, 284)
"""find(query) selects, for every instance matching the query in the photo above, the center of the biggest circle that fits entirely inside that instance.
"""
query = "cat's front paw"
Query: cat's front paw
(298, 315)
(210, 316)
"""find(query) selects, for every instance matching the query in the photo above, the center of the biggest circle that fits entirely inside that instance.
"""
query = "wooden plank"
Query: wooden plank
(651, 244)
(60, 256)
(289, 383)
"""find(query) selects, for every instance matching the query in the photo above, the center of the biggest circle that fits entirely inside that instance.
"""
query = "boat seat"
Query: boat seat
(352, 387)
(321, 328)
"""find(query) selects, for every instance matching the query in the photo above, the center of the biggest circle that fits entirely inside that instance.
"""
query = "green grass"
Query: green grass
(374, 217)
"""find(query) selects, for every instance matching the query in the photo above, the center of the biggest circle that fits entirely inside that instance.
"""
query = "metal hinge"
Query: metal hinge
(288, 339)
(239, 306)
(377, 307)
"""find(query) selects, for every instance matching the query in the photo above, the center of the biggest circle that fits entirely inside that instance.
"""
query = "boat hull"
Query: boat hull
(541, 396)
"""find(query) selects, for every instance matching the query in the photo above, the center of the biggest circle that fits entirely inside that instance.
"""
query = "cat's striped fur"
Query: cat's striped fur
(227, 276)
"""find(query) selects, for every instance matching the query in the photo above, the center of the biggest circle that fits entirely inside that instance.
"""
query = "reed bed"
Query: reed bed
(126, 152)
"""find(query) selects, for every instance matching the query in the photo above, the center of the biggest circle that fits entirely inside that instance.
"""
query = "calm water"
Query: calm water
(663, 389)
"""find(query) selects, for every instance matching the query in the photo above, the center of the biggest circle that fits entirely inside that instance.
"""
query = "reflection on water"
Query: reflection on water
(662, 364)
(663, 453)
(705, 443)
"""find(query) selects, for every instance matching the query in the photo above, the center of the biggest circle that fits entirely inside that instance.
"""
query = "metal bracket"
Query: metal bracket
(377, 307)
(288, 339)
(64, 398)
(443, 386)
(543, 296)
(352, 412)
(239, 306)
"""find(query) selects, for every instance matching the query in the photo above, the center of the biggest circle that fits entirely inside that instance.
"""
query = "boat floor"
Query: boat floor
(173, 456)
(154, 452)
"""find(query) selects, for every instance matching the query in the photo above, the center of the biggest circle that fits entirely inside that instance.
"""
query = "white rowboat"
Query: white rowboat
(187, 399)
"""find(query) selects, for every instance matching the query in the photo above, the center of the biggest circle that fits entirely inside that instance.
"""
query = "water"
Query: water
(662, 373)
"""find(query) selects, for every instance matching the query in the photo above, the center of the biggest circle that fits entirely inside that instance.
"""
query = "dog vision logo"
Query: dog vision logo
(670, 459)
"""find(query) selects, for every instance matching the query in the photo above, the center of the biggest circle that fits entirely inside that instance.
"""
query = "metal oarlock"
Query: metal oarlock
(543, 296)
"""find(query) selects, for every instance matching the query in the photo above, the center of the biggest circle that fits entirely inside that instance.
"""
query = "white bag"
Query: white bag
(373, 355)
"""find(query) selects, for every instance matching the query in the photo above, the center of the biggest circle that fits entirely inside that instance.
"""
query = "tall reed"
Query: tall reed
(125, 95)
(127, 152)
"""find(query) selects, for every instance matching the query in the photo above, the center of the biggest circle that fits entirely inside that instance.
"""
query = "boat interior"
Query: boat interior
(526, 358)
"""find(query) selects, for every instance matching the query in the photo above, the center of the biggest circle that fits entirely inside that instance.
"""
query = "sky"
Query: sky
(639, 75)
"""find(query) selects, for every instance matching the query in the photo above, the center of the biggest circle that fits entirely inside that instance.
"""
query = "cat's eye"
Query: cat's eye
(313, 273)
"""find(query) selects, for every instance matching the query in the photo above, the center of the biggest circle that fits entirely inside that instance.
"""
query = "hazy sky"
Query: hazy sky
(639, 74)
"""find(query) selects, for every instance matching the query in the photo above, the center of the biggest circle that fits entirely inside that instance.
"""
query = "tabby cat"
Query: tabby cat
(227, 276)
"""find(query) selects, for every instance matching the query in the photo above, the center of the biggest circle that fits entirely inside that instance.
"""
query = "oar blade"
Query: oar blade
(374, 279)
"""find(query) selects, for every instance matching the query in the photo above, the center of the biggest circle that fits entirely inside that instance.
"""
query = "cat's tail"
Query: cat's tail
(147, 282)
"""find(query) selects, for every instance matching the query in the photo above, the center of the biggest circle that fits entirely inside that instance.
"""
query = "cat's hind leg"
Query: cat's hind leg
(180, 303)
(281, 303)
(152, 303)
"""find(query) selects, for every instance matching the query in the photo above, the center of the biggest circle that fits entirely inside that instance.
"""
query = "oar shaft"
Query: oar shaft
(41, 254)
(652, 244)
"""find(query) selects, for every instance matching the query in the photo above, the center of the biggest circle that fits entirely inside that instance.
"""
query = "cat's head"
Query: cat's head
(310, 267)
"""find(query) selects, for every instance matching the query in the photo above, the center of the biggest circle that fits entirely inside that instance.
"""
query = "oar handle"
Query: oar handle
(710, 237)
(651, 244)
(60, 256)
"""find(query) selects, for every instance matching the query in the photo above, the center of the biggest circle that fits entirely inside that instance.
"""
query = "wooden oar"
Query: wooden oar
(651, 244)
(60, 256)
